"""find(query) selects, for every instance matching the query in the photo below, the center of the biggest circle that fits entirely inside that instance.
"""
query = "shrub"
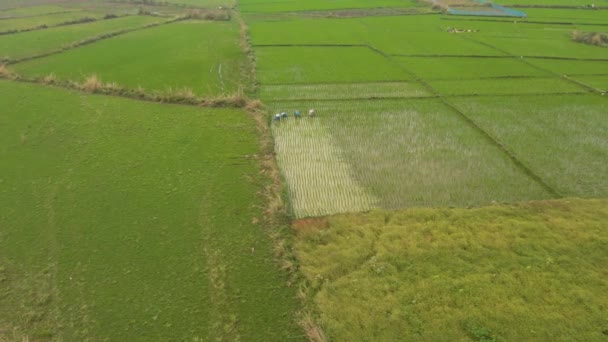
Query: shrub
(92, 84)
(49, 79)
(591, 38)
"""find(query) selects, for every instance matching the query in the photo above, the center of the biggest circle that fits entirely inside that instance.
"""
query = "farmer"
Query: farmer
(277, 117)
(284, 115)
(297, 114)
(311, 112)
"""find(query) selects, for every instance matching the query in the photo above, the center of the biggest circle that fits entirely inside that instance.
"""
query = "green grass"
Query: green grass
(34, 10)
(566, 67)
(507, 86)
(308, 31)
(527, 272)
(343, 91)
(203, 3)
(300, 65)
(417, 43)
(582, 3)
(567, 15)
(49, 20)
(310, 5)
(458, 68)
(132, 221)
(399, 153)
(40, 41)
(190, 54)
(548, 47)
(599, 82)
(561, 138)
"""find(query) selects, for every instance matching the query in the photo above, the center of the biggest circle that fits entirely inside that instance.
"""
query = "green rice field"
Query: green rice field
(417, 153)
(33, 10)
(43, 41)
(27, 23)
(449, 184)
(199, 55)
(153, 241)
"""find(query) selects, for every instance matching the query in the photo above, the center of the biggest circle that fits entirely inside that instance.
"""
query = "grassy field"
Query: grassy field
(49, 20)
(566, 67)
(41, 41)
(402, 152)
(560, 137)
(527, 272)
(507, 86)
(200, 55)
(324, 64)
(343, 91)
(126, 220)
(34, 10)
(459, 68)
(599, 82)
(315, 5)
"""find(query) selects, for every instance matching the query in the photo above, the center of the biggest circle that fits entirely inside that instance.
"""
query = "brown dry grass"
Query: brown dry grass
(312, 329)
(49, 79)
(307, 225)
(590, 38)
(92, 84)
(207, 14)
(4, 71)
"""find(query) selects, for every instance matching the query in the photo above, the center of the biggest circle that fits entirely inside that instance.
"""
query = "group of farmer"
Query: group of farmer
(296, 114)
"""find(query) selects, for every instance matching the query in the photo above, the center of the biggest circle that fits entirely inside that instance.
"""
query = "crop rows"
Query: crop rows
(404, 153)
(203, 57)
(343, 91)
(319, 180)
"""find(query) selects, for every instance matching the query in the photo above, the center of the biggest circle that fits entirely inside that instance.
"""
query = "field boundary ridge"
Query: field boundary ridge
(88, 41)
(82, 20)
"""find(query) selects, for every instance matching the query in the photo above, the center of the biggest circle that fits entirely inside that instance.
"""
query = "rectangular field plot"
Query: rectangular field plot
(507, 86)
(307, 64)
(343, 91)
(599, 82)
(390, 154)
(572, 67)
(318, 5)
(16, 46)
(34, 10)
(124, 216)
(428, 43)
(307, 31)
(567, 15)
(18, 24)
(202, 56)
(547, 3)
(563, 139)
(550, 46)
(430, 68)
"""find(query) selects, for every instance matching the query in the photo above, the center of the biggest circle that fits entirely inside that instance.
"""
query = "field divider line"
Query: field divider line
(90, 40)
(83, 20)
(346, 99)
(491, 139)
(310, 45)
(39, 15)
(499, 56)
(222, 101)
(503, 147)
(516, 94)
(523, 60)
